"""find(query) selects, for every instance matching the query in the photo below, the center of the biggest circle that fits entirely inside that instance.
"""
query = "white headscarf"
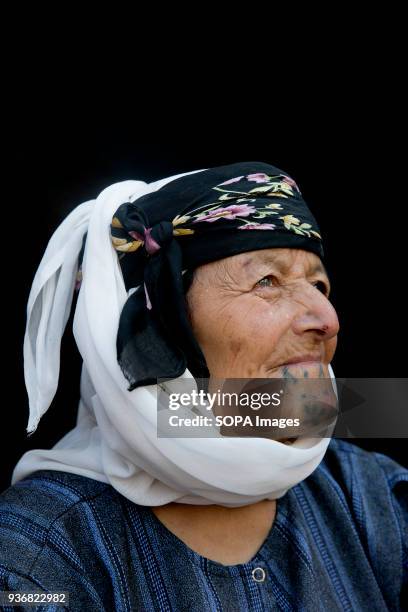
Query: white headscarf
(115, 438)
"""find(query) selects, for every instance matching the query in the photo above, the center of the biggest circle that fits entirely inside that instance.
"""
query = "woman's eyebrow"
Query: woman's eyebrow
(319, 267)
(279, 262)
(262, 259)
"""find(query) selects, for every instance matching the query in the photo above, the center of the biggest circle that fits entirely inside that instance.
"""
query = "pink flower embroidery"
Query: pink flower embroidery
(290, 182)
(150, 243)
(262, 226)
(230, 181)
(227, 212)
(259, 177)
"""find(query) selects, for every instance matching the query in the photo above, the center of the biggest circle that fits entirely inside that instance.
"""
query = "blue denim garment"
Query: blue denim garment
(339, 543)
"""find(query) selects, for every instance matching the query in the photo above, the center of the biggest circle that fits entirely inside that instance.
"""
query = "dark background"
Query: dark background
(339, 149)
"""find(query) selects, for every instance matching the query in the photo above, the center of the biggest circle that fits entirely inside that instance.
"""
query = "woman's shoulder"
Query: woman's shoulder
(362, 495)
(41, 517)
(368, 481)
(351, 465)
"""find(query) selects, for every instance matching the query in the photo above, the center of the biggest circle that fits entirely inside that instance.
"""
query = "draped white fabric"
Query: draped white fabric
(115, 438)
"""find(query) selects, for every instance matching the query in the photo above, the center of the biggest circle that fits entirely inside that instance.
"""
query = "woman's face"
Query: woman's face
(256, 312)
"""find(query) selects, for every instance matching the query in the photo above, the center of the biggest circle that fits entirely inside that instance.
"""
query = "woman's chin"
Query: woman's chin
(300, 369)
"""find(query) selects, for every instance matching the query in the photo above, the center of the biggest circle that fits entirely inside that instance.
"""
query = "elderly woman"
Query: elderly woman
(216, 274)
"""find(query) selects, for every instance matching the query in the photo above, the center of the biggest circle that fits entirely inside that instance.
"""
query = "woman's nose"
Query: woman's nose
(317, 315)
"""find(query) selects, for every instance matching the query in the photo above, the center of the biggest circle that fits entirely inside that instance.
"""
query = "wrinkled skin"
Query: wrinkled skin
(253, 312)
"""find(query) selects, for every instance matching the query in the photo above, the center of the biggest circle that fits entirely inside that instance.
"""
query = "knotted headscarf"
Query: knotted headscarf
(130, 326)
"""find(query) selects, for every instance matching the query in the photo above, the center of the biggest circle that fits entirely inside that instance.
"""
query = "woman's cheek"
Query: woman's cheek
(259, 334)
(270, 319)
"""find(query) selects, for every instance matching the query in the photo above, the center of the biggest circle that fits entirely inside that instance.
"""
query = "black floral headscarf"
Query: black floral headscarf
(193, 220)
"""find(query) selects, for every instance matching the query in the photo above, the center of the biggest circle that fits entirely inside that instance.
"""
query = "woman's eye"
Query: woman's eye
(271, 281)
(266, 281)
(322, 287)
